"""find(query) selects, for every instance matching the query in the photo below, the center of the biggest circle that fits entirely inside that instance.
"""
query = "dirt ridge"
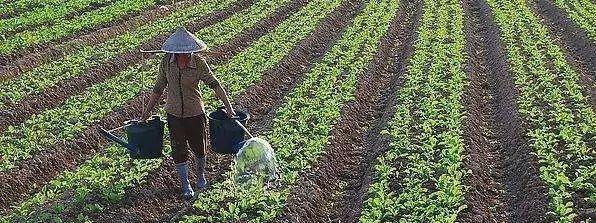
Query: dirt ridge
(504, 180)
(261, 101)
(319, 195)
(14, 64)
(579, 49)
(35, 172)
(54, 96)
(69, 16)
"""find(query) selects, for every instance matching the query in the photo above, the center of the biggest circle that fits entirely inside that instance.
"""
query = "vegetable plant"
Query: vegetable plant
(78, 112)
(109, 172)
(419, 179)
(302, 126)
(87, 20)
(46, 16)
(561, 122)
(582, 13)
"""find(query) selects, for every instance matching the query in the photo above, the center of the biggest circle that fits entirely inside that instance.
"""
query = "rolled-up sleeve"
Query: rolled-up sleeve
(206, 75)
(162, 81)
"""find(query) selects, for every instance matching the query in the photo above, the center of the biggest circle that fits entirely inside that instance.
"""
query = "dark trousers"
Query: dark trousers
(187, 132)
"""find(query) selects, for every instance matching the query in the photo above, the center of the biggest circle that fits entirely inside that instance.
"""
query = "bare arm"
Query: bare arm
(214, 84)
(158, 88)
(221, 94)
(151, 105)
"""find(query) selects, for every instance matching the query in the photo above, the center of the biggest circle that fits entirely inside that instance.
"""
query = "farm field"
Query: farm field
(377, 110)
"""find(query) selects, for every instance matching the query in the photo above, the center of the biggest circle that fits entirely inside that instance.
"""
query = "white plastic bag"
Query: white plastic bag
(255, 158)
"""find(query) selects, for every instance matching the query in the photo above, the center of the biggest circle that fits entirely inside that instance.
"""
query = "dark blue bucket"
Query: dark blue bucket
(225, 134)
(145, 139)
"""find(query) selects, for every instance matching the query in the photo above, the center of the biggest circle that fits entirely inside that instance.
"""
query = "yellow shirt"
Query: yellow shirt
(184, 97)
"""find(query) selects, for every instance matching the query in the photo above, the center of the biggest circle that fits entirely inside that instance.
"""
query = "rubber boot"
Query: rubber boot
(187, 192)
(201, 180)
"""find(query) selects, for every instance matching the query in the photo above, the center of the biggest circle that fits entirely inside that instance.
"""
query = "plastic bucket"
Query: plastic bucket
(225, 135)
(147, 138)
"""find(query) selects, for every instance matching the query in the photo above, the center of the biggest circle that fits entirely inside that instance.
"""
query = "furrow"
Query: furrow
(41, 125)
(260, 100)
(119, 11)
(504, 180)
(332, 190)
(561, 123)
(580, 50)
(25, 60)
(30, 105)
(581, 12)
(16, 7)
(88, 56)
(302, 125)
(419, 177)
(49, 15)
(38, 173)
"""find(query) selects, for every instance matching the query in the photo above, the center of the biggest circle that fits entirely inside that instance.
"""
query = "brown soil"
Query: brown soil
(260, 100)
(17, 12)
(504, 180)
(24, 60)
(32, 174)
(69, 16)
(333, 190)
(34, 104)
(43, 167)
(579, 50)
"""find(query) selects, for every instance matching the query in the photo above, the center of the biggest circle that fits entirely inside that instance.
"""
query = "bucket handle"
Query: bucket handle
(242, 126)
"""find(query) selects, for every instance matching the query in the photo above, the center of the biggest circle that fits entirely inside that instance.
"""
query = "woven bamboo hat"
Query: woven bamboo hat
(183, 41)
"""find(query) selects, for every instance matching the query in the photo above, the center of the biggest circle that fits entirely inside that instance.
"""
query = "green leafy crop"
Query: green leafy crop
(8, 7)
(120, 8)
(46, 16)
(582, 13)
(301, 129)
(562, 124)
(419, 179)
(87, 56)
(73, 117)
(111, 171)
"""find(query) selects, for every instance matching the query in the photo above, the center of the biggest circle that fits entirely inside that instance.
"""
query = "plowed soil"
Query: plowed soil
(579, 49)
(35, 172)
(333, 190)
(36, 103)
(159, 200)
(504, 180)
(24, 60)
(503, 183)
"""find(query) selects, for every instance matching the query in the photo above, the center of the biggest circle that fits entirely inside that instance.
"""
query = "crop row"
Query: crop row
(271, 45)
(87, 20)
(45, 16)
(100, 171)
(19, 6)
(50, 126)
(301, 129)
(97, 175)
(87, 56)
(419, 179)
(561, 122)
(582, 13)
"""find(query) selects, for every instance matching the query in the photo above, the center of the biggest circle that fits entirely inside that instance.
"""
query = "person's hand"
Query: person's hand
(230, 112)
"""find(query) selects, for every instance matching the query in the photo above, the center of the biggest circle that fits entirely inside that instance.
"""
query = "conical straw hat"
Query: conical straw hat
(182, 41)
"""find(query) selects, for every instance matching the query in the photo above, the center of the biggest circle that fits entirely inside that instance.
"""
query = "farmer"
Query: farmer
(180, 71)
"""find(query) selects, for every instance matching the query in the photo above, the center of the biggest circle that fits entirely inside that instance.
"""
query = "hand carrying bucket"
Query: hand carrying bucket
(226, 136)
(145, 139)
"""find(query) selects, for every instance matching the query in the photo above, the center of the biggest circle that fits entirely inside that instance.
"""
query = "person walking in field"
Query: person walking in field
(180, 71)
